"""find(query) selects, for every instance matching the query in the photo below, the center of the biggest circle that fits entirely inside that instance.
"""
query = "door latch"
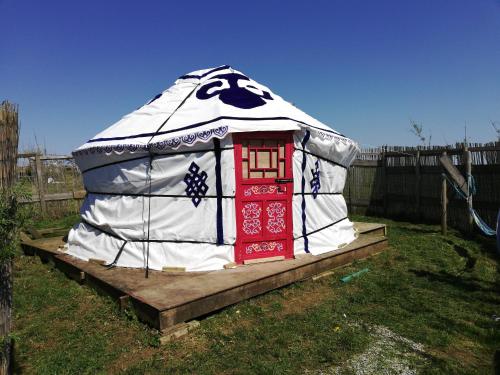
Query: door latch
(283, 180)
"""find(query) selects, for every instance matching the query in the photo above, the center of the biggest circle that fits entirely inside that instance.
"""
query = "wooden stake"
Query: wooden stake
(264, 260)
(39, 179)
(173, 269)
(417, 185)
(468, 172)
(444, 203)
(384, 178)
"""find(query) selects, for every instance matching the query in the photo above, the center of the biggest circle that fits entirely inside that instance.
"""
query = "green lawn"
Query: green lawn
(439, 292)
(63, 222)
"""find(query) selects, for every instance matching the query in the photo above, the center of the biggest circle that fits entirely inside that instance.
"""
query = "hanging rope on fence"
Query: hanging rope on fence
(471, 183)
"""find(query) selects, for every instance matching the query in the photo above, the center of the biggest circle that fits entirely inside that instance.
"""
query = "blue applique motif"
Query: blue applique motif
(195, 181)
(315, 182)
(234, 95)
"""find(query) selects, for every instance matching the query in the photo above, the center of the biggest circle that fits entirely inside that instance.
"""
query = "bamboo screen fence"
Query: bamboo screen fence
(9, 137)
(405, 183)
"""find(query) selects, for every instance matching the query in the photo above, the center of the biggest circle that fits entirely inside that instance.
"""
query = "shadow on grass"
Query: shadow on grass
(411, 229)
(464, 253)
(457, 281)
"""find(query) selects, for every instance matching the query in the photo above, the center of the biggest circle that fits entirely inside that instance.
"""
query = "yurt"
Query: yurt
(214, 170)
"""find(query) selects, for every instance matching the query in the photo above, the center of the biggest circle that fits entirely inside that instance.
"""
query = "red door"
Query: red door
(264, 190)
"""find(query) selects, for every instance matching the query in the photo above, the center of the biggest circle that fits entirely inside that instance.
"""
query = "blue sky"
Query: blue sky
(365, 68)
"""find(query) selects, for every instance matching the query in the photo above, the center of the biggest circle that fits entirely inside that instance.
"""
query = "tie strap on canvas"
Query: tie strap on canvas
(113, 263)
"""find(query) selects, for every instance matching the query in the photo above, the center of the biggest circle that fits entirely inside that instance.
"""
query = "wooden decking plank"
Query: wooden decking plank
(371, 228)
(193, 308)
(211, 283)
(165, 299)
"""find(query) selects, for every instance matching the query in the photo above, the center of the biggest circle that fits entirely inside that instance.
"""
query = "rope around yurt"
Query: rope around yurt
(151, 156)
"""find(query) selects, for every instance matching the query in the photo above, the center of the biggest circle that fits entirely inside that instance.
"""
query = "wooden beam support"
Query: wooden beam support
(454, 173)
(263, 260)
(177, 331)
(123, 302)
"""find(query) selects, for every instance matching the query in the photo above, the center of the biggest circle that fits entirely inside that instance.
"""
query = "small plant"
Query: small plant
(12, 218)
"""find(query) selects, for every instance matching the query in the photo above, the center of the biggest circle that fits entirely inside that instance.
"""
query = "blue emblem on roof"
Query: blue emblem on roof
(234, 95)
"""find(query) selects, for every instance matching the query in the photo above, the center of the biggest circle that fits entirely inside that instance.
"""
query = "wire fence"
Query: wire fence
(54, 183)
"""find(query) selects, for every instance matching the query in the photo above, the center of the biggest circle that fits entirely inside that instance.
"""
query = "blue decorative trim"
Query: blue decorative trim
(175, 142)
(218, 188)
(322, 132)
(303, 187)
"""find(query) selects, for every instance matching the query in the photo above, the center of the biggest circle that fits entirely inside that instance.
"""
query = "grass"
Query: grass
(63, 222)
(435, 290)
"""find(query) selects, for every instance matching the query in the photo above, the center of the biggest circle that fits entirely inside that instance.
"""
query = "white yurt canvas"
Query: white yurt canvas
(214, 170)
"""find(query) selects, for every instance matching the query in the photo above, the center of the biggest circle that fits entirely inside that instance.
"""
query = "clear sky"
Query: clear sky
(366, 68)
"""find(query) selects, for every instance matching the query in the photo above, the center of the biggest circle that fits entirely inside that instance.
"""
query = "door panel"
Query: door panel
(264, 189)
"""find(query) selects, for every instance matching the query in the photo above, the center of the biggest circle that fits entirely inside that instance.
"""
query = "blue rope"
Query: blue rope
(471, 182)
(481, 224)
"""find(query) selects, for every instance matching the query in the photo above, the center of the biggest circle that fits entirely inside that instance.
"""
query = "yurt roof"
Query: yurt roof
(200, 106)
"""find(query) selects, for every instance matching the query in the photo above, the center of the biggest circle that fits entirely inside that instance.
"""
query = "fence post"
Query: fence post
(468, 174)
(444, 203)
(384, 178)
(39, 179)
(9, 140)
(350, 171)
(417, 185)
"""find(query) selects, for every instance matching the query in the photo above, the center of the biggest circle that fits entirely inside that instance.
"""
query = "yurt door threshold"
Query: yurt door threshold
(264, 191)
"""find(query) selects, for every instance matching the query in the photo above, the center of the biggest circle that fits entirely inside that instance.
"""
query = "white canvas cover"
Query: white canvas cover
(138, 213)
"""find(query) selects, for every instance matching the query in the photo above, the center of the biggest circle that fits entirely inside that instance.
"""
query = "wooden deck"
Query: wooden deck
(167, 298)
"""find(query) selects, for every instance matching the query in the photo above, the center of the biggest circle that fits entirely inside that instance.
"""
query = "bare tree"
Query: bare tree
(418, 130)
(496, 126)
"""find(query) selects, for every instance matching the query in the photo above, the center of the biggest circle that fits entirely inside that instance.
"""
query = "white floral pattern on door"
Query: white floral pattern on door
(251, 218)
(261, 189)
(276, 217)
(263, 247)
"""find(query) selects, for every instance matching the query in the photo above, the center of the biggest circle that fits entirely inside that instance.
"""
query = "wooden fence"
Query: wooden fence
(54, 181)
(405, 183)
(394, 182)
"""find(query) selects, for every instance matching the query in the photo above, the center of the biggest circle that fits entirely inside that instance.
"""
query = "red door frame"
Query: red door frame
(284, 189)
